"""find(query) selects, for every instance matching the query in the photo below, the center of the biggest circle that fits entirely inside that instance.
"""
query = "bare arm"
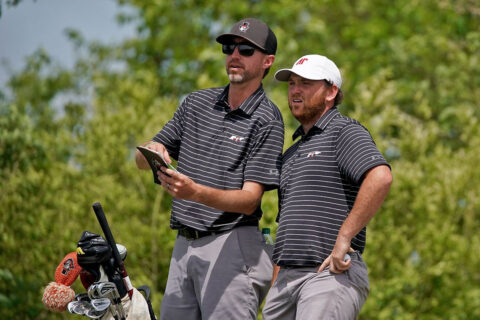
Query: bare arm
(244, 200)
(140, 159)
(373, 191)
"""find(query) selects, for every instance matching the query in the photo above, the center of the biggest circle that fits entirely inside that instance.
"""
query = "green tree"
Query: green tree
(411, 76)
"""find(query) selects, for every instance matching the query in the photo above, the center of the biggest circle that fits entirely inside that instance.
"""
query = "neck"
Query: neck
(308, 125)
(239, 92)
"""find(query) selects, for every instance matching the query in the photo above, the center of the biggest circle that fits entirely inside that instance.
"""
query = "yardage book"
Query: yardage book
(155, 160)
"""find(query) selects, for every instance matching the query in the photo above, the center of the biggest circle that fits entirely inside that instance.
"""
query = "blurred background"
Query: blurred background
(84, 82)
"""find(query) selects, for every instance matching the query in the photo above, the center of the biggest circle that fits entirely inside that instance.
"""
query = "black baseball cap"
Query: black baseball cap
(253, 30)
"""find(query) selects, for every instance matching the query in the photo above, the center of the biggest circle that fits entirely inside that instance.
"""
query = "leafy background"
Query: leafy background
(411, 76)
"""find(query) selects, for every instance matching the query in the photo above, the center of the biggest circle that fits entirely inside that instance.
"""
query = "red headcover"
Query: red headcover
(68, 270)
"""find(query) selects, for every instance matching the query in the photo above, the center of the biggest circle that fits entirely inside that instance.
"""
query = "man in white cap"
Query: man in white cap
(333, 180)
(228, 142)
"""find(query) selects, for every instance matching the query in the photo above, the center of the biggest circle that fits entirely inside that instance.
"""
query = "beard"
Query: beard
(242, 77)
(236, 78)
(307, 113)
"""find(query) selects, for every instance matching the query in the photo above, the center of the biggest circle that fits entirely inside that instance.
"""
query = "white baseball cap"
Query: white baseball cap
(312, 67)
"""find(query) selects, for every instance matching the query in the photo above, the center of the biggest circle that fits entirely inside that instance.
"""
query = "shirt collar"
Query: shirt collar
(247, 106)
(320, 125)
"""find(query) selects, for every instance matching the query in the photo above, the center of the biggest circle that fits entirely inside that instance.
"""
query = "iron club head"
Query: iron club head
(101, 304)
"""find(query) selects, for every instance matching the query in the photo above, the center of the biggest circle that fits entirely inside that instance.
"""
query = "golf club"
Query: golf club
(102, 219)
(94, 314)
(101, 304)
(79, 307)
(109, 290)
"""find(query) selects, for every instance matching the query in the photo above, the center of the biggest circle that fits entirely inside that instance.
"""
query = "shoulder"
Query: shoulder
(208, 95)
(268, 111)
(344, 124)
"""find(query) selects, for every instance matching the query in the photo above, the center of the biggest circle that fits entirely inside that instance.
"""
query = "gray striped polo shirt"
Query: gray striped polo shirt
(320, 179)
(222, 149)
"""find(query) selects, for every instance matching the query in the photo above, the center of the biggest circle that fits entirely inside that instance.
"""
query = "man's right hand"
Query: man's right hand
(160, 148)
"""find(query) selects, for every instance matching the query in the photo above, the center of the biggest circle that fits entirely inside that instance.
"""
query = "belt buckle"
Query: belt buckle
(191, 235)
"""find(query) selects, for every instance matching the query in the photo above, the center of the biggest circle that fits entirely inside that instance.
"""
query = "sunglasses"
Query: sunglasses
(244, 49)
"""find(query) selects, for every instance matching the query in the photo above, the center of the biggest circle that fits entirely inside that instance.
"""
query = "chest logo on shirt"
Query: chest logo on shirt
(314, 154)
(236, 138)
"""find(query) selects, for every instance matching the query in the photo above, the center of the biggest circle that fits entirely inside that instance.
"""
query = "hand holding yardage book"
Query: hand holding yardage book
(155, 160)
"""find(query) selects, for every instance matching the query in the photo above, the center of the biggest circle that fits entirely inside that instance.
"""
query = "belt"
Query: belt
(193, 234)
(353, 256)
(299, 266)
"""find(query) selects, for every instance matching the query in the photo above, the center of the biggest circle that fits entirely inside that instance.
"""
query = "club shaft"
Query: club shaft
(102, 219)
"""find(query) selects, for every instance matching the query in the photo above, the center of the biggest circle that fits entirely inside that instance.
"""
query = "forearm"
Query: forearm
(370, 197)
(243, 201)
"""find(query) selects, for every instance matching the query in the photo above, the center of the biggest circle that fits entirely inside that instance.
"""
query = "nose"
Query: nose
(235, 52)
(293, 89)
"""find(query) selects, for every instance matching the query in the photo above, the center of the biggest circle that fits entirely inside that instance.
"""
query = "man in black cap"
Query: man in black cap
(228, 142)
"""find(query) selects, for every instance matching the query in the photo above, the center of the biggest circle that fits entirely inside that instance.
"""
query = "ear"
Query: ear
(268, 61)
(332, 93)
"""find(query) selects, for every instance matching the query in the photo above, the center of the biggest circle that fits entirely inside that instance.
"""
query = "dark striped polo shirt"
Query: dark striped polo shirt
(222, 149)
(320, 179)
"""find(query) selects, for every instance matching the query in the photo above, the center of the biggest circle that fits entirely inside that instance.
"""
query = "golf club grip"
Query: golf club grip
(102, 219)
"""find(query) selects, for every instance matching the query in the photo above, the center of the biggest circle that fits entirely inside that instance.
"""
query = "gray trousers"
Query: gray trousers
(223, 276)
(306, 294)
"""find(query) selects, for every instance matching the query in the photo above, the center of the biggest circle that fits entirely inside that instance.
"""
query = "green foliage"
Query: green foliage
(411, 75)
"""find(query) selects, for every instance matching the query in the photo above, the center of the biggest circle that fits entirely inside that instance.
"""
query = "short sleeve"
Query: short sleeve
(356, 152)
(265, 160)
(171, 134)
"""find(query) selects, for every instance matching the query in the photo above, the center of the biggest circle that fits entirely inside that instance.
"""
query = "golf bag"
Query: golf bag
(100, 265)
(95, 257)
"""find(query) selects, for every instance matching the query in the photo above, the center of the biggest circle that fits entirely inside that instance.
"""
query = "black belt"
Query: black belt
(353, 255)
(193, 234)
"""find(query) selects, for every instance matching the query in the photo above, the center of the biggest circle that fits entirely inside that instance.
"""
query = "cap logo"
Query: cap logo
(301, 61)
(244, 27)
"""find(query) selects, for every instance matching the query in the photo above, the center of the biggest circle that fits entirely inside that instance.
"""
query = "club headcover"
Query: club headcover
(56, 296)
(68, 270)
(92, 252)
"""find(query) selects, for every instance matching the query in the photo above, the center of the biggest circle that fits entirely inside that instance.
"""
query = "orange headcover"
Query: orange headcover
(58, 294)
(68, 270)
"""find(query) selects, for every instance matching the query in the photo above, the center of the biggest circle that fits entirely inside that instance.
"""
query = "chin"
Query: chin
(235, 78)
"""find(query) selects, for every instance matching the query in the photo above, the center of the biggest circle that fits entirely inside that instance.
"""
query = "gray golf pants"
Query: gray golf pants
(224, 276)
(306, 294)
